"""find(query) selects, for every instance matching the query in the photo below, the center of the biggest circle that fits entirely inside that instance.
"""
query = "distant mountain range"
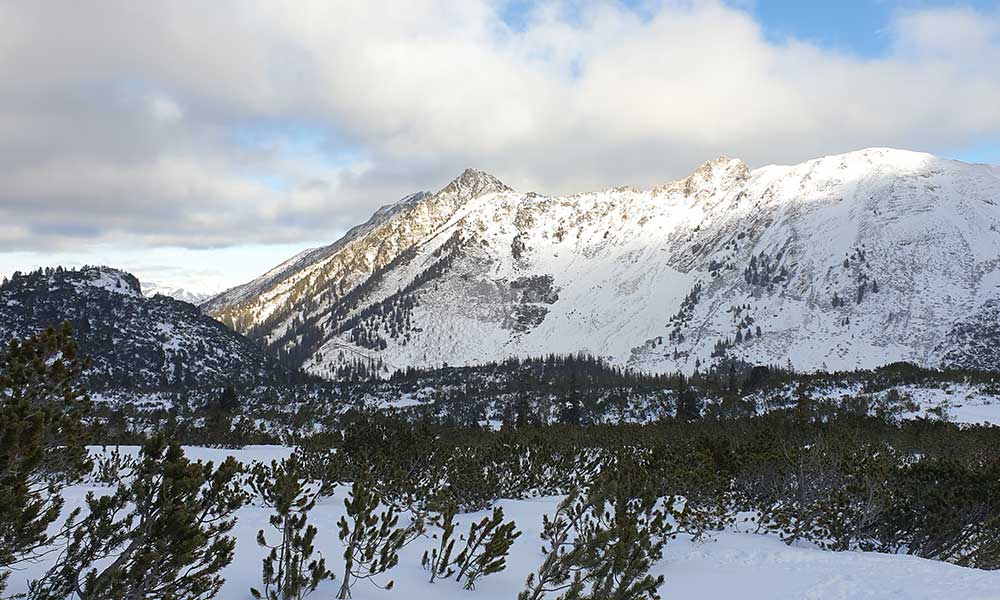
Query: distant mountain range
(134, 341)
(843, 262)
(150, 289)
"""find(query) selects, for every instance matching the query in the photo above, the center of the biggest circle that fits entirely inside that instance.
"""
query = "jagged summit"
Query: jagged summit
(722, 169)
(473, 183)
(722, 161)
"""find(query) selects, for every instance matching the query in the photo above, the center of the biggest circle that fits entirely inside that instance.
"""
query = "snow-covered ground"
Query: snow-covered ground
(956, 402)
(734, 565)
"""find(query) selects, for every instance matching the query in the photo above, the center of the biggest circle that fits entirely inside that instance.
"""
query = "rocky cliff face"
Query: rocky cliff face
(842, 262)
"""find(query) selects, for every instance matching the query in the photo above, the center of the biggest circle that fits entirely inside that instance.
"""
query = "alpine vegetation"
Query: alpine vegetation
(164, 532)
(290, 571)
(372, 540)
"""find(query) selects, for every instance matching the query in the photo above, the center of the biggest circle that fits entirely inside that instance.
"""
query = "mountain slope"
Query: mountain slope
(847, 261)
(133, 341)
(278, 285)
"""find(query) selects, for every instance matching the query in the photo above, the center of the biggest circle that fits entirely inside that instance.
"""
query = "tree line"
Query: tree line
(844, 481)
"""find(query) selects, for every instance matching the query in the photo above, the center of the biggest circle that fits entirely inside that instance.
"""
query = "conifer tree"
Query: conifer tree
(371, 540)
(439, 560)
(41, 440)
(523, 416)
(289, 570)
(623, 534)
(562, 569)
(486, 547)
(688, 407)
(228, 401)
(602, 547)
(160, 536)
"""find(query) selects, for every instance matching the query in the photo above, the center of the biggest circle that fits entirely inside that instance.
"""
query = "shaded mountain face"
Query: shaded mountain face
(133, 341)
(849, 261)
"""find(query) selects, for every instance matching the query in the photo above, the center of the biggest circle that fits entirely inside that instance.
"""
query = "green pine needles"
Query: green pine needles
(562, 571)
(161, 536)
(289, 571)
(486, 547)
(602, 546)
(41, 441)
(372, 540)
(439, 559)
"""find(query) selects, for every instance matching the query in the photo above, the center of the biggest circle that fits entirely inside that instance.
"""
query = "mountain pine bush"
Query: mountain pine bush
(41, 440)
(289, 570)
(372, 540)
(486, 547)
(161, 535)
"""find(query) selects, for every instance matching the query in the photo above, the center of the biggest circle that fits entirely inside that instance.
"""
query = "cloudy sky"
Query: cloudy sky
(199, 143)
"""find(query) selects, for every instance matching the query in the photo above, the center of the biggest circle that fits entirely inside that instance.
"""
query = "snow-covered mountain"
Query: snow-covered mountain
(150, 289)
(133, 341)
(846, 261)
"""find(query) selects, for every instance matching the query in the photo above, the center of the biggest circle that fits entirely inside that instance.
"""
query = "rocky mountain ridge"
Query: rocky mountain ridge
(848, 261)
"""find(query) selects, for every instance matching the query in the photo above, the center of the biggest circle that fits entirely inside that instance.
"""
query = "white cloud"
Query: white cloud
(127, 123)
(952, 33)
(164, 110)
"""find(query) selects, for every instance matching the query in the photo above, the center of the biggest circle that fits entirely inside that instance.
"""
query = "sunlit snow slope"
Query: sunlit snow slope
(847, 261)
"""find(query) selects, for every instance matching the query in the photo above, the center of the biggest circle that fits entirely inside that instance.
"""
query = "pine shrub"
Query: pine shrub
(161, 535)
(486, 547)
(289, 570)
(372, 540)
(41, 440)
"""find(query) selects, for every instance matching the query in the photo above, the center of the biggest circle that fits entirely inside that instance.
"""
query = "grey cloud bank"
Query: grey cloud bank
(180, 124)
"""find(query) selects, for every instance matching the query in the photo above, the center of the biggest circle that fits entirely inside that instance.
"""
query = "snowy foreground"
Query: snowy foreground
(734, 565)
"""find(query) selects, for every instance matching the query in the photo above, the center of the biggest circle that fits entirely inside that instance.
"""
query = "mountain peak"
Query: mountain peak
(474, 183)
(111, 279)
(720, 165)
(150, 289)
(829, 250)
(721, 168)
